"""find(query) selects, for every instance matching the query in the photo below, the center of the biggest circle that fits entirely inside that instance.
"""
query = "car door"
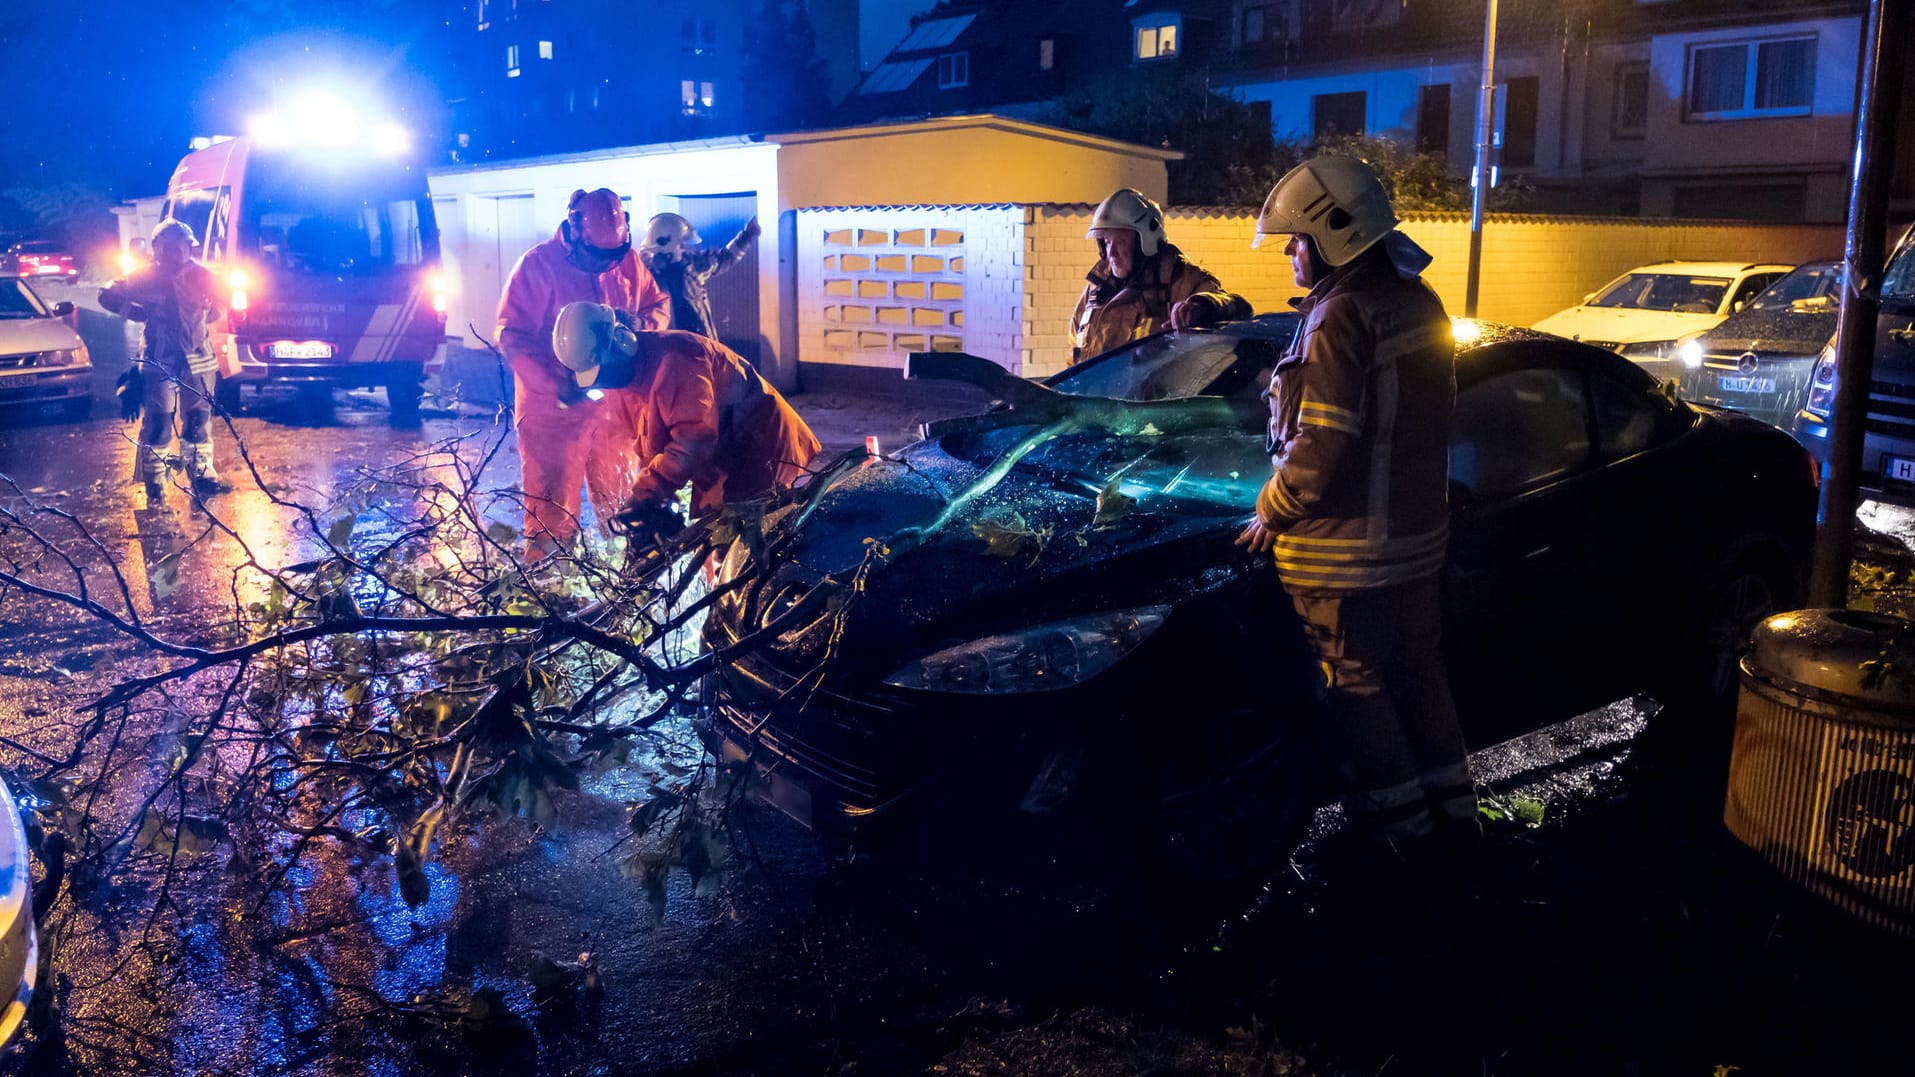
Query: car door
(1523, 495)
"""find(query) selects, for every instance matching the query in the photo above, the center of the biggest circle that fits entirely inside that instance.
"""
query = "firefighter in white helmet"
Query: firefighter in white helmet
(176, 298)
(703, 415)
(1355, 509)
(1141, 284)
(679, 261)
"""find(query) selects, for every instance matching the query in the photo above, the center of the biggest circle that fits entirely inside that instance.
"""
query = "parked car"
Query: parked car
(42, 359)
(1888, 453)
(1647, 312)
(40, 259)
(19, 943)
(1760, 359)
(1038, 614)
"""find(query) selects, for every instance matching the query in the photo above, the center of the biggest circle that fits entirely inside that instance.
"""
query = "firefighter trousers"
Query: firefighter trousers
(1390, 707)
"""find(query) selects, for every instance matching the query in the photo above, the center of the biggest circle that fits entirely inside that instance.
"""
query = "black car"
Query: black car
(1760, 359)
(1038, 613)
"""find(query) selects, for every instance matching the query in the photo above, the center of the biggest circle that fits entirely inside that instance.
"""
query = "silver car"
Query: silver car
(42, 359)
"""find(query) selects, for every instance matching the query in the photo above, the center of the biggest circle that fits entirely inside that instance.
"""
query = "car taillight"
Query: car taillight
(437, 282)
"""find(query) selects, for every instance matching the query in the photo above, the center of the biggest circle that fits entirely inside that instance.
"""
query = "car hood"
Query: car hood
(1773, 332)
(1623, 325)
(35, 335)
(947, 548)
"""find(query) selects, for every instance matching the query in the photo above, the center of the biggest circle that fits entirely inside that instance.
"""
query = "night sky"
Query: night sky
(107, 93)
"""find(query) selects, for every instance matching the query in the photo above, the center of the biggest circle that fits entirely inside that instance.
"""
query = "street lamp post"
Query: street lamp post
(1875, 120)
(1479, 191)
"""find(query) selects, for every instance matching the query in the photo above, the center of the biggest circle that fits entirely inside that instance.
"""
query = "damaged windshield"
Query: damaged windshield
(1176, 365)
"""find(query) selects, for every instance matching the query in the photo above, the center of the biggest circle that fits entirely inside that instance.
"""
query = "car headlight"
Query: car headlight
(736, 555)
(1042, 658)
(1690, 352)
(1821, 398)
(1646, 349)
(66, 357)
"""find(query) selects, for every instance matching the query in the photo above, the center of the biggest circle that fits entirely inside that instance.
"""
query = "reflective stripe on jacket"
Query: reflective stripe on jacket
(1359, 434)
(1112, 312)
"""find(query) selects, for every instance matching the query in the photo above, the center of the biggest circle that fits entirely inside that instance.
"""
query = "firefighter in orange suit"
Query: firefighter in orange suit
(566, 438)
(701, 413)
(1356, 508)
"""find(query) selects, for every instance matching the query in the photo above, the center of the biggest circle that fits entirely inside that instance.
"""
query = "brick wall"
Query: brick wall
(875, 283)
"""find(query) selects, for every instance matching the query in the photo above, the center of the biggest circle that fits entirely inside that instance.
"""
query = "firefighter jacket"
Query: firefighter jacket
(703, 415)
(686, 280)
(1359, 433)
(176, 314)
(1113, 312)
(544, 280)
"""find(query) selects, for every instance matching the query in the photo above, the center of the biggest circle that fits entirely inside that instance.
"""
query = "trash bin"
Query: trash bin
(1822, 778)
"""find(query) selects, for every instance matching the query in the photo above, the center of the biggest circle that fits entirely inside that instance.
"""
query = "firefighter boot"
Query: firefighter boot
(199, 468)
(151, 466)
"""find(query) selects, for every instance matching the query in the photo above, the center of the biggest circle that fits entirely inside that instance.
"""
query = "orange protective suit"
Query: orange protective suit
(564, 438)
(705, 416)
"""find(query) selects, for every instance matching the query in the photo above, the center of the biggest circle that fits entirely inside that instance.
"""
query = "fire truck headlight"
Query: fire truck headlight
(391, 140)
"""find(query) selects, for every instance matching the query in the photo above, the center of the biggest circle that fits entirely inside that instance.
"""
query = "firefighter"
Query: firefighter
(566, 438)
(703, 415)
(676, 256)
(1356, 509)
(176, 298)
(1141, 284)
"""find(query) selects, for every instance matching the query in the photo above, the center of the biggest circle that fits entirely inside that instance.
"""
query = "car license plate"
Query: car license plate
(1747, 385)
(9, 381)
(1898, 468)
(305, 350)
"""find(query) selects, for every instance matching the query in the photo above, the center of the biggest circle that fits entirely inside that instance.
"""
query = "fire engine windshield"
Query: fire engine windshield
(316, 220)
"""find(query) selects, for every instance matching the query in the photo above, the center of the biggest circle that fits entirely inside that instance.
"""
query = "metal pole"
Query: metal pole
(1875, 120)
(1485, 121)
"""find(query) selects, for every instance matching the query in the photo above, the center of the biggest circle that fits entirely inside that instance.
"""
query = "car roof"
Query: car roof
(1713, 269)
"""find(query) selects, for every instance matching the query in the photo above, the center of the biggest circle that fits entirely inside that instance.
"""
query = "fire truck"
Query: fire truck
(329, 254)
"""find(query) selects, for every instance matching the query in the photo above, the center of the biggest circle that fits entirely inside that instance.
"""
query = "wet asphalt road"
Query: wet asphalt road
(805, 966)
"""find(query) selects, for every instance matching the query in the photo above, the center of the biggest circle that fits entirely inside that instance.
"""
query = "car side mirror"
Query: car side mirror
(1736, 307)
(63, 309)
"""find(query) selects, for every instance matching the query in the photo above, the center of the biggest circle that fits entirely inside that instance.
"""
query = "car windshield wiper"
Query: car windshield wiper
(1026, 402)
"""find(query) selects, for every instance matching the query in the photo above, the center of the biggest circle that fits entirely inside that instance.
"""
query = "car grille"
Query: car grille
(22, 362)
(1891, 409)
(832, 737)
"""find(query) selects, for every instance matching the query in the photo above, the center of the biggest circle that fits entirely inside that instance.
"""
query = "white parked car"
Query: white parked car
(42, 360)
(1647, 311)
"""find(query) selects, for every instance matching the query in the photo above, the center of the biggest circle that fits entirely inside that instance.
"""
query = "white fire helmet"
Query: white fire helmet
(173, 227)
(669, 235)
(1128, 208)
(587, 336)
(1337, 201)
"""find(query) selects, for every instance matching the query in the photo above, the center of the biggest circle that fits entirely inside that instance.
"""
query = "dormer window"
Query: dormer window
(1158, 39)
(954, 70)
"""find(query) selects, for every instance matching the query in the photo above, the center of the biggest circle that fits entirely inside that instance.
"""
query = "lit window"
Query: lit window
(705, 96)
(511, 61)
(954, 70)
(1752, 78)
(1157, 42)
(688, 96)
(483, 21)
(545, 50)
(1047, 54)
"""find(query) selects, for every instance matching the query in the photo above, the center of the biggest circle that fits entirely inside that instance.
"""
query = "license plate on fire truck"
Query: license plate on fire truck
(306, 349)
(1898, 468)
